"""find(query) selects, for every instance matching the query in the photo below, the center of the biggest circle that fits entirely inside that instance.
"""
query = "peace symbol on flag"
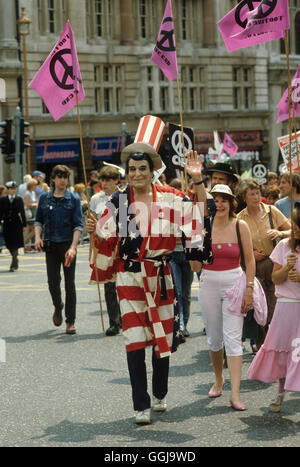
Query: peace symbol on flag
(61, 71)
(264, 10)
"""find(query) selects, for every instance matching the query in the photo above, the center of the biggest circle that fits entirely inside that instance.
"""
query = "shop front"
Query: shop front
(52, 152)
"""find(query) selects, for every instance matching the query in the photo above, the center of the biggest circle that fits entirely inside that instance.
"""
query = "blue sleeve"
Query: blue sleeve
(39, 218)
(77, 216)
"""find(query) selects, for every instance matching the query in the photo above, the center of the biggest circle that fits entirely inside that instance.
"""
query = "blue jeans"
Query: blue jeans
(183, 279)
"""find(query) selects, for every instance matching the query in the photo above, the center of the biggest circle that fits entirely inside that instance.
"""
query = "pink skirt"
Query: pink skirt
(279, 356)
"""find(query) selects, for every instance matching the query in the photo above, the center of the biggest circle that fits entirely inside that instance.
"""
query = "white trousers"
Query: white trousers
(222, 327)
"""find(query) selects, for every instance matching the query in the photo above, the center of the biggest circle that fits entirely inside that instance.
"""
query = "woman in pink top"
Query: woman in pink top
(222, 325)
(279, 357)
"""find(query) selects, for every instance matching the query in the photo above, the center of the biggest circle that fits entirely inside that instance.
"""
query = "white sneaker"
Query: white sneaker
(276, 403)
(159, 405)
(143, 417)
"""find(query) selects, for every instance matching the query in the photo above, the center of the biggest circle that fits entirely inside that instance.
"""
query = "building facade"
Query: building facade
(236, 92)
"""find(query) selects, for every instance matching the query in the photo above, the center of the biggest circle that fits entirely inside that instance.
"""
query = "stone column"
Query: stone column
(127, 23)
(209, 23)
(8, 30)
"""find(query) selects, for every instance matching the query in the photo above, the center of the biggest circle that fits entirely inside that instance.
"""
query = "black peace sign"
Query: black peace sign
(263, 14)
(168, 36)
(62, 83)
(241, 7)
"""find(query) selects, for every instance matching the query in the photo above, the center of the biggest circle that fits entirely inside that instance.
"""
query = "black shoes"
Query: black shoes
(57, 316)
(112, 331)
(14, 265)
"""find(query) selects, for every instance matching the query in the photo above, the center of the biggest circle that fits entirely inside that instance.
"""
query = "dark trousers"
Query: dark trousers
(138, 378)
(55, 258)
(112, 304)
(264, 271)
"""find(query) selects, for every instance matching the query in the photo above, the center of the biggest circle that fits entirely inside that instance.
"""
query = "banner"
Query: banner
(283, 142)
(59, 76)
(176, 144)
(229, 145)
(283, 105)
(254, 22)
(217, 150)
(164, 54)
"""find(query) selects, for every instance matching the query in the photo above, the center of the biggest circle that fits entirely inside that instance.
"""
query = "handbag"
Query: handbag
(28, 213)
(251, 329)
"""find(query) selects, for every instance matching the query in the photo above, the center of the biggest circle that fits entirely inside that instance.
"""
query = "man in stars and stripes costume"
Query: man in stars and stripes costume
(134, 236)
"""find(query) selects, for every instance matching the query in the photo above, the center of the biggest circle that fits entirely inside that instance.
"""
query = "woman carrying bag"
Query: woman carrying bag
(216, 279)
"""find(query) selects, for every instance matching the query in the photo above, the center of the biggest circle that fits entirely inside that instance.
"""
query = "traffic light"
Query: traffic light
(24, 135)
(6, 144)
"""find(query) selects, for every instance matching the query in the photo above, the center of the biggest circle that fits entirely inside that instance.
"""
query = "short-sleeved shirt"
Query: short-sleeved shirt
(287, 289)
(284, 205)
(260, 239)
(98, 202)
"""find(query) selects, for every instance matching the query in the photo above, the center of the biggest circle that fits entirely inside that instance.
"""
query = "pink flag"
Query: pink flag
(254, 22)
(283, 105)
(164, 54)
(59, 76)
(229, 145)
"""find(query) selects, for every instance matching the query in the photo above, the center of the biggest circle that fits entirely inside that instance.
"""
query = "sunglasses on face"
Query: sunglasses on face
(61, 175)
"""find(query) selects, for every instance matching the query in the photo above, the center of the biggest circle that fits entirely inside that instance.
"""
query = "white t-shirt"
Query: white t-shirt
(98, 202)
(287, 289)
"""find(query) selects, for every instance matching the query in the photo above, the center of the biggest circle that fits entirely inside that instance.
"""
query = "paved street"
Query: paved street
(59, 390)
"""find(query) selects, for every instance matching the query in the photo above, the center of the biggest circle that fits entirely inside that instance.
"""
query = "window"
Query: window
(147, 19)
(100, 18)
(163, 92)
(52, 16)
(150, 95)
(157, 91)
(242, 78)
(192, 88)
(188, 19)
(108, 88)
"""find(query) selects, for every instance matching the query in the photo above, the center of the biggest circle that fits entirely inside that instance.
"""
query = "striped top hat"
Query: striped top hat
(147, 140)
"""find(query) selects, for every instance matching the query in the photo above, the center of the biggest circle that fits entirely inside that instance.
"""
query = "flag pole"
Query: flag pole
(89, 209)
(182, 136)
(290, 99)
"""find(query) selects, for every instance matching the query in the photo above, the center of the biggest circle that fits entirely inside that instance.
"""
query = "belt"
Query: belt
(288, 300)
(153, 300)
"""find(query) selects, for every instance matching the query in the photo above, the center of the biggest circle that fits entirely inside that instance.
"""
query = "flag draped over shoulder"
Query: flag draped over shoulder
(283, 105)
(229, 145)
(254, 22)
(164, 54)
(59, 76)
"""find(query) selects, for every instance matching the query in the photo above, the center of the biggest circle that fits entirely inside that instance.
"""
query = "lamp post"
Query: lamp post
(23, 27)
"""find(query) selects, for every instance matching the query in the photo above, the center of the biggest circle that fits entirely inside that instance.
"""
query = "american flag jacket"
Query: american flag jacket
(139, 263)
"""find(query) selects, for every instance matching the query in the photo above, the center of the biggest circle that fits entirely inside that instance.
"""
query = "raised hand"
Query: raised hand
(194, 165)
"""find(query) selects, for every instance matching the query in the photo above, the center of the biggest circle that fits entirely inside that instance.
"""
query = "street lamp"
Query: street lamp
(24, 27)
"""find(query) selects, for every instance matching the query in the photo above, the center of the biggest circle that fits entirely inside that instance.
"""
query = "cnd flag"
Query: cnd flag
(59, 76)
(252, 22)
(164, 54)
(283, 105)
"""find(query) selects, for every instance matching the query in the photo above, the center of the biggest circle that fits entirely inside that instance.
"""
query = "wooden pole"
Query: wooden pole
(185, 180)
(89, 209)
(290, 98)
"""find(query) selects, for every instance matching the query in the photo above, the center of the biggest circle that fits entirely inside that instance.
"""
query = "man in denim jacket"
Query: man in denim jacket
(59, 213)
